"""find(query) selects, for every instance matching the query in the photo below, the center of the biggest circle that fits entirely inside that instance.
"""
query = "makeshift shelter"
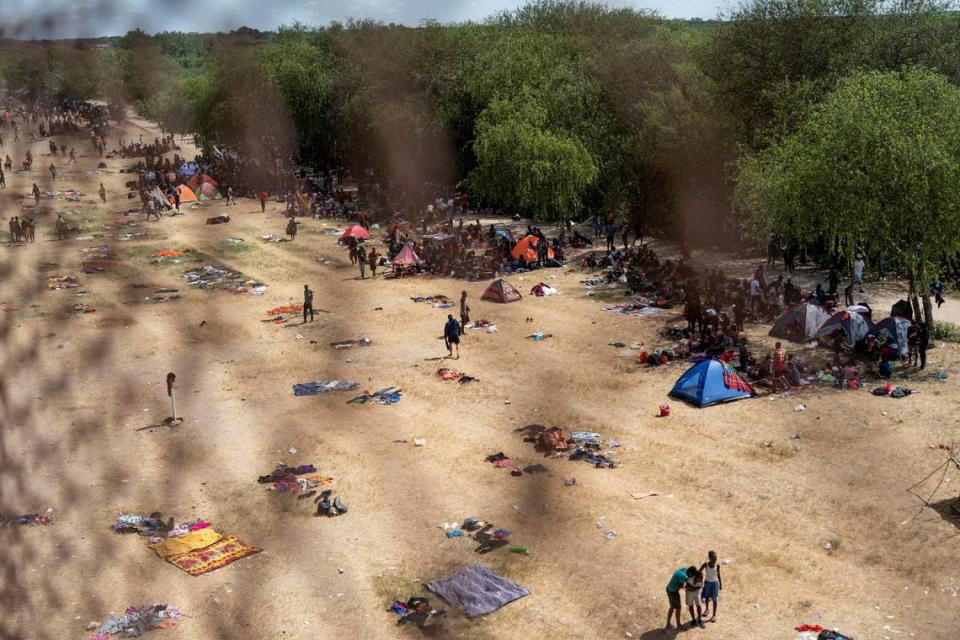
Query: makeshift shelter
(187, 169)
(501, 291)
(711, 382)
(527, 249)
(186, 193)
(407, 257)
(207, 191)
(476, 590)
(892, 334)
(800, 323)
(853, 322)
(356, 231)
(902, 309)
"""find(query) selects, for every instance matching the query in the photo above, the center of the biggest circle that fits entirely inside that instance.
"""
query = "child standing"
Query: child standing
(711, 584)
(692, 587)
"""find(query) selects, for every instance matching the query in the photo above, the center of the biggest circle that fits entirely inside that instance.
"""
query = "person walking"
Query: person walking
(176, 199)
(362, 261)
(451, 335)
(292, 229)
(858, 266)
(231, 201)
(36, 194)
(464, 311)
(307, 303)
(3, 179)
(103, 193)
(14, 230)
(923, 341)
(374, 259)
(61, 228)
(73, 156)
(262, 197)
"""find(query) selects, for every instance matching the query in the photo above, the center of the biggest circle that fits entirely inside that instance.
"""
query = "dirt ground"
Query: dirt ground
(80, 392)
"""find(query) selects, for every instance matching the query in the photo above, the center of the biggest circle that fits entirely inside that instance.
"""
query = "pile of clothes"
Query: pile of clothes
(347, 344)
(79, 307)
(415, 610)
(272, 238)
(284, 313)
(387, 395)
(638, 309)
(137, 620)
(459, 376)
(62, 282)
(173, 256)
(438, 301)
(218, 276)
(323, 386)
(540, 290)
(587, 446)
(302, 481)
(33, 519)
(483, 533)
(221, 219)
(892, 392)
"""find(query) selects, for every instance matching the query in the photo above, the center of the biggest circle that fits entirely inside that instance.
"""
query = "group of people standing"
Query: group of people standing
(22, 230)
(698, 585)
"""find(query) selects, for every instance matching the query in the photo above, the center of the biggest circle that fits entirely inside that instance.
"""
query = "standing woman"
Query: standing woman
(464, 311)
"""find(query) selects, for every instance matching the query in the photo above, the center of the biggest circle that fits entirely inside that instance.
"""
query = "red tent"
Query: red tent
(501, 291)
(356, 231)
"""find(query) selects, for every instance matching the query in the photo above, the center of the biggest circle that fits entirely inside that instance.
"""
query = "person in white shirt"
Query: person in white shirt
(858, 265)
(754, 293)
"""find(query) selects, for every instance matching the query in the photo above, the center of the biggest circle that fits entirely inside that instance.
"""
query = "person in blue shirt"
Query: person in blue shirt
(674, 587)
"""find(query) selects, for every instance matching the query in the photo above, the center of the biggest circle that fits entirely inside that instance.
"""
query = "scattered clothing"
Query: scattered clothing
(323, 386)
(137, 620)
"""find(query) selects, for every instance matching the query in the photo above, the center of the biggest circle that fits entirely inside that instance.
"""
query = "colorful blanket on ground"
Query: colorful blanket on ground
(185, 543)
(225, 551)
(323, 386)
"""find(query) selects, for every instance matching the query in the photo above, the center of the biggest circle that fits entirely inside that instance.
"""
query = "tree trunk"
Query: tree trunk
(928, 312)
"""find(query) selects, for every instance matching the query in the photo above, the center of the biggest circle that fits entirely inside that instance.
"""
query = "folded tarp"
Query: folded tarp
(476, 590)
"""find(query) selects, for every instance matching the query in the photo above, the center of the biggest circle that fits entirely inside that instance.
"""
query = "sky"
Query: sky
(91, 18)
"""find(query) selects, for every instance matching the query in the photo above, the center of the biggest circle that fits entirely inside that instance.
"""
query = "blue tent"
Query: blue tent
(187, 169)
(711, 382)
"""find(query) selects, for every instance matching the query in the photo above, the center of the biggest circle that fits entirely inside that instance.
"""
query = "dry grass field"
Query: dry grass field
(80, 392)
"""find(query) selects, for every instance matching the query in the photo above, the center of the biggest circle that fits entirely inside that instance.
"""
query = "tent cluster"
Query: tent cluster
(808, 322)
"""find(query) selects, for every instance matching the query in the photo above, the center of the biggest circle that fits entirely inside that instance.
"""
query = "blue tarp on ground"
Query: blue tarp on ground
(476, 590)
(711, 382)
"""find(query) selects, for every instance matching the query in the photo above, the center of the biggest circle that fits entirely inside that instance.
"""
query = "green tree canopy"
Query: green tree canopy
(875, 167)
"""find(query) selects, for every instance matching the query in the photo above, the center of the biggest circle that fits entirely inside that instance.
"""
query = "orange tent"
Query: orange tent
(186, 193)
(526, 249)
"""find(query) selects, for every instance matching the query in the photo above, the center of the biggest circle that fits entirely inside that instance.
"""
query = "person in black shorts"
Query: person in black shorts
(451, 335)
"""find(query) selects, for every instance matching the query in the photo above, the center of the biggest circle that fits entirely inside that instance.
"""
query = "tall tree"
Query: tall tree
(875, 167)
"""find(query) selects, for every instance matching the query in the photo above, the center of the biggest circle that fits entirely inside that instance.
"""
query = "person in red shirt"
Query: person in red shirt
(779, 361)
(262, 197)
